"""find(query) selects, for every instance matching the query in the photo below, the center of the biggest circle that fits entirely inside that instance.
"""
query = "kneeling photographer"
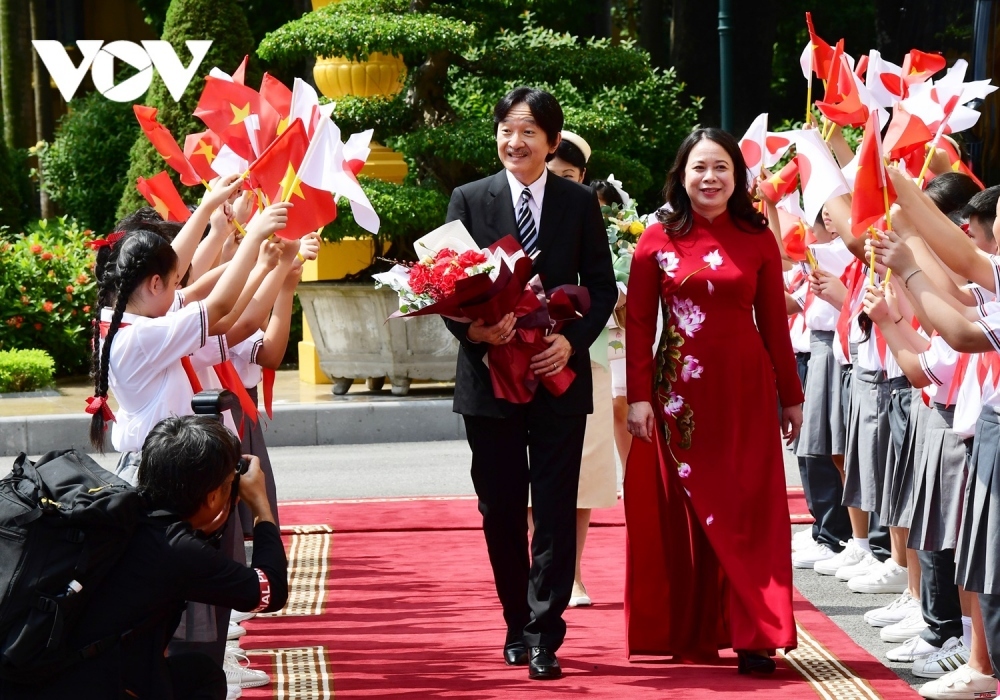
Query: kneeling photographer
(190, 475)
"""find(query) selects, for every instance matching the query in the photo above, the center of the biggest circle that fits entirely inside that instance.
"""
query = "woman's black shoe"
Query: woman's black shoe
(752, 663)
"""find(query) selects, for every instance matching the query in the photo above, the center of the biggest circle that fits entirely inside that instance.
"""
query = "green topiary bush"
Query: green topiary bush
(46, 286)
(25, 370)
(84, 167)
(223, 22)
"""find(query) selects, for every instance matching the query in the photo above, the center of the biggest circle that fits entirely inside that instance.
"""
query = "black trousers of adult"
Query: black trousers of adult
(939, 601)
(534, 593)
(231, 544)
(196, 677)
(989, 605)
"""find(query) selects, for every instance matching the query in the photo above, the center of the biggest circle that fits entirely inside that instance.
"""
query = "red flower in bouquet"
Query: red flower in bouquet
(436, 277)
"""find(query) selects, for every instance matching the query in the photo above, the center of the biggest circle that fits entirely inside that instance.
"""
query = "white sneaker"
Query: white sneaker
(239, 618)
(904, 630)
(893, 612)
(867, 563)
(235, 631)
(888, 578)
(952, 655)
(912, 649)
(807, 558)
(850, 555)
(238, 671)
(964, 683)
(803, 539)
(233, 692)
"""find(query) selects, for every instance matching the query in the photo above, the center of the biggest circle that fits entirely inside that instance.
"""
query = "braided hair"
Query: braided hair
(129, 262)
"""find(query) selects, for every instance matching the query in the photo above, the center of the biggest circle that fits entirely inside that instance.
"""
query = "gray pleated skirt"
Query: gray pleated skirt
(897, 492)
(823, 432)
(253, 443)
(977, 557)
(868, 438)
(938, 484)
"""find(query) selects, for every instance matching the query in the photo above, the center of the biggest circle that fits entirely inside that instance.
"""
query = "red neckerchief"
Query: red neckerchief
(986, 362)
(851, 277)
(956, 379)
(269, 375)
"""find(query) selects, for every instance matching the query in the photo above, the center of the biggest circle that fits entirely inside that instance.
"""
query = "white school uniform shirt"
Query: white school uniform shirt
(868, 351)
(939, 363)
(796, 323)
(832, 257)
(244, 357)
(973, 394)
(145, 374)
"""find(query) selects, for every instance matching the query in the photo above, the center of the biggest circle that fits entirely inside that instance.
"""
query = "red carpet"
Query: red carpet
(408, 610)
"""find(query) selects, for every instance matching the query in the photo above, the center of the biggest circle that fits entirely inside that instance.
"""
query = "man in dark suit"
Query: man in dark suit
(561, 221)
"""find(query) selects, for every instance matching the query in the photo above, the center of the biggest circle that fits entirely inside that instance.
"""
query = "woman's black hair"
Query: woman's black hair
(952, 191)
(544, 108)
(678, 218)
(135, 257)
(571, 153)
(607, 193)
(183, 460)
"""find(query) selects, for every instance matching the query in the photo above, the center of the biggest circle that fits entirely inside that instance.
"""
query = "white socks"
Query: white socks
(863, 543)
(967, 631)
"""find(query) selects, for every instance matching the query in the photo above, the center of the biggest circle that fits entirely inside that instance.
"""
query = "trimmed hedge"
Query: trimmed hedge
(25, 370)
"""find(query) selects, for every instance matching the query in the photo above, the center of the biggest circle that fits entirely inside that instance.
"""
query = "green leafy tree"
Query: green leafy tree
(461, 58)
(223, 22)
(85, 165)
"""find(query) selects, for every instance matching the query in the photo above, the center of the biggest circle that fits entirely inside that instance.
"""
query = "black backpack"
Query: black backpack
(64, 523)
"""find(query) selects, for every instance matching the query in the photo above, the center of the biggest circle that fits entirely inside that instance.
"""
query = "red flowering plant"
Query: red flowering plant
(46, 286)
(433, 278)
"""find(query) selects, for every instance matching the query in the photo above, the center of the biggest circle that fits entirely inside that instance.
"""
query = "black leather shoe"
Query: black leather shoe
(543, 665)
(752, 663)
(515, 653)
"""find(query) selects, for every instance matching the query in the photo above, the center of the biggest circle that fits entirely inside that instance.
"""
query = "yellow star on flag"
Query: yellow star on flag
(160, 206)
(776, 180)
(205, 149)
(286, 182)
(239, 113)
(282, 125)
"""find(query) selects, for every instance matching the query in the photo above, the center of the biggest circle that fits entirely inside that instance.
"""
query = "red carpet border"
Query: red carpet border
(395, 598)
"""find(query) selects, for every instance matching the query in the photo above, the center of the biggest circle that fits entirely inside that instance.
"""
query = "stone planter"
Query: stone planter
(353, 340)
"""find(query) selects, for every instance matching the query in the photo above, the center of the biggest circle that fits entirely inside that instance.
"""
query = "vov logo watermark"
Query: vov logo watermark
(100, 59)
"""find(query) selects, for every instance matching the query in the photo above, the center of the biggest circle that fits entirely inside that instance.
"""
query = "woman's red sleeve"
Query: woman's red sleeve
(772, 321)
(641, 308)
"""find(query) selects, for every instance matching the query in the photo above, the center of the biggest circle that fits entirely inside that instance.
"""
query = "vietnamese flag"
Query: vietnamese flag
(842, 102)
(873, 191)
(794, 233)
(276, 173)
(279, 97)
(224, 106)
(906, 133)
(239, 75)
(782, 183)
(200, 150)
(165, 144)
(822, 51)
(161, 194)
(918, 66)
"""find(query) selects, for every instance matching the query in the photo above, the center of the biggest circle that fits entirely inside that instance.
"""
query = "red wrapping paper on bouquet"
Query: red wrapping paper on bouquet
(538, 314)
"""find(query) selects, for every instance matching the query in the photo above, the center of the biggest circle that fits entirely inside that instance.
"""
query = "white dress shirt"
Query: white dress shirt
(537, 192)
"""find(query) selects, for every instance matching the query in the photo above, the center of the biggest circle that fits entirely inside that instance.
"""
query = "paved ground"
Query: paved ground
(442, 469)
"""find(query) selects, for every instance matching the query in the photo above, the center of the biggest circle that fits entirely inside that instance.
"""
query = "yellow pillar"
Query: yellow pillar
(381, 74)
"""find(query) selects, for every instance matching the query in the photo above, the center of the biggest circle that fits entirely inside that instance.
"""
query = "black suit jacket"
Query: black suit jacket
(573, 249)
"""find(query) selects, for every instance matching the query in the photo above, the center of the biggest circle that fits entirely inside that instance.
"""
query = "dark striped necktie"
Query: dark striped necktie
(526, 223)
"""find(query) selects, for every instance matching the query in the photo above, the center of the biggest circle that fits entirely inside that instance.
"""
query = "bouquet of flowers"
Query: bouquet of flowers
(456, 279)
(624, 226)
